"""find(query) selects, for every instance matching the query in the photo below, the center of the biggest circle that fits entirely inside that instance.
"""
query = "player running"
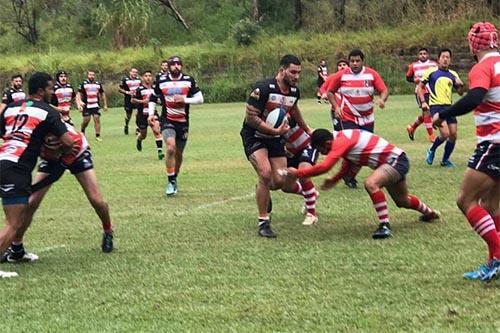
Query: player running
(63, 96)
(363, 148)
(479, 197)
(52, 166)
(144, 117)
(23, 125)
(176, 91)
(128, 87)
(439, 82)
(88, 100)
(163, 71)
(414, 74)
(263, 144)
(13, 94)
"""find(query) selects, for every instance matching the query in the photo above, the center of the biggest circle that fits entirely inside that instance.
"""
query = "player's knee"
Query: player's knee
(452, 137)
(463, 202)
(402, 202)
(171, 149)
(265, 176)
(370, 185)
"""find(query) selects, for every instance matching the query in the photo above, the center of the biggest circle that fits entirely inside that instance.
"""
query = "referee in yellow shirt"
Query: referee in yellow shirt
(440, 82)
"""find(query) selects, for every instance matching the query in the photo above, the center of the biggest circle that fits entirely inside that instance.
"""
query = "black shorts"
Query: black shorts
(308, 155)
(91, 111)
(486, 159)
(15, 181)
(438, 108)
(343, 125)
(129, 107)
(401, 164)
(176, 130)
(275, 146)
(82, 163)
(426, 98)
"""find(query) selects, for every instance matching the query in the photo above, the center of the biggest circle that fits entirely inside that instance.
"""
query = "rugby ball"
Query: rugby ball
(51, 142)
(276, 117)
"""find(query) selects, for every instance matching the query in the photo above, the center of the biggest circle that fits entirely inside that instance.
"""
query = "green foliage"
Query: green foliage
(245, 31)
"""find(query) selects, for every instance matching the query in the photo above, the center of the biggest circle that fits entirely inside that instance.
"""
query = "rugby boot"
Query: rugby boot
(383, 231)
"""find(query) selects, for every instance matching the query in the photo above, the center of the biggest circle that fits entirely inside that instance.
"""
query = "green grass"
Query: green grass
(194, 263)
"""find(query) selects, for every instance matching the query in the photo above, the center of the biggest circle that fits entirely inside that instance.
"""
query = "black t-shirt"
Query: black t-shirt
(11, 95)
(23, 127)
(129, 84)
(267, 96)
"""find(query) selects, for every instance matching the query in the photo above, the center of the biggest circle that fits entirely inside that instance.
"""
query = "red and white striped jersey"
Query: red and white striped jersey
(79, 147)
(166, 88)
(90, 93)
(11, 95)
(357, 91)
(23, 126)
(62, 97)
(416, 70)
(296, 139)
(357, 146)
(486, 74)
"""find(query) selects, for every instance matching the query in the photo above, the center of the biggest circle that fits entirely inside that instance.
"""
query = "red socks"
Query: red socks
(309, 193)
(483, 224)
(418, 205)
(380, 205)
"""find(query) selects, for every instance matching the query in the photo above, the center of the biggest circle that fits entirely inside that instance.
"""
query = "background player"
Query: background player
(322, 76)
(414, 74)
(439, 82)
(389, 163)
(163, 70)
(177, 91)
(356, 86)
(262, 143)
(23, 125)
(13, 94)
(144, 117)
(88, 100)
(479, 197)
(63, 96)
(128, 87)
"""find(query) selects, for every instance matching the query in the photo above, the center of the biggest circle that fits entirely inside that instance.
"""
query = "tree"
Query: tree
(298, 14)
(174, 12)
(25, 19)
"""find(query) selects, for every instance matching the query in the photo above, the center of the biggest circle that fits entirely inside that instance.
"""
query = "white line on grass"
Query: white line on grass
(212, 204)
(51, 248)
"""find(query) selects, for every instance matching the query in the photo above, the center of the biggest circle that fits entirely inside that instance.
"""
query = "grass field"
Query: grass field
(194, 263)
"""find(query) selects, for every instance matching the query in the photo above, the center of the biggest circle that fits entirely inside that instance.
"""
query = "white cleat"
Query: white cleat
(310, 219)
(5, 275)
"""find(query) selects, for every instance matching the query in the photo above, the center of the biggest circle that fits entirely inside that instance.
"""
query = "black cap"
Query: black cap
(173, 59)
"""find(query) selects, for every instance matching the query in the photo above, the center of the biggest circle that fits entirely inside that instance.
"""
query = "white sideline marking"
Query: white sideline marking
(51, 248)
(212, 204)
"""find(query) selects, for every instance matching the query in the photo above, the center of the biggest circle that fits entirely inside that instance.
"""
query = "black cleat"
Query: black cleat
(383, 231)
(265, 230)
(15, 257)
(138, 145)
(350, 182)
(125, 130)
(270, 205)
(107, 242)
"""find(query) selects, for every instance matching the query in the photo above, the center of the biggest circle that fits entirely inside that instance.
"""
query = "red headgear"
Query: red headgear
(483, 36)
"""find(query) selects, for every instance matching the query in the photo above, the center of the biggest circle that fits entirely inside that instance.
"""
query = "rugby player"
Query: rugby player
(23, 125)
(128, 87)
(322, 76)
(439, 83)
(163, 70)
(88, 100)
(63, 96)
(479, 197)
(414, 74)
(176, 91)
(389, 163)
(356, 86)
(144, 117)
(263, 144)
(13, 94)
(52, 166)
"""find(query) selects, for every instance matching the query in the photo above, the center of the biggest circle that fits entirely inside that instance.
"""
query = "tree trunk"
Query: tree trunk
(177, 15)
(298, 14)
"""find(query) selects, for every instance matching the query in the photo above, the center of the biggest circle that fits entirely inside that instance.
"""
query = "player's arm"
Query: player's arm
(197, 98)
(104, 98)
(253, 120)
(5, 102)
(465, 105)
(332, 88)
(421, 96)
(330, 182)
(137, 98)
(382, 89)
(79, 100)
(458, 84)
(410, 75)
(122, 86)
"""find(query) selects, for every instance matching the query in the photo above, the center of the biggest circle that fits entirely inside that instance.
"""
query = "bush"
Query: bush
(245, 31)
